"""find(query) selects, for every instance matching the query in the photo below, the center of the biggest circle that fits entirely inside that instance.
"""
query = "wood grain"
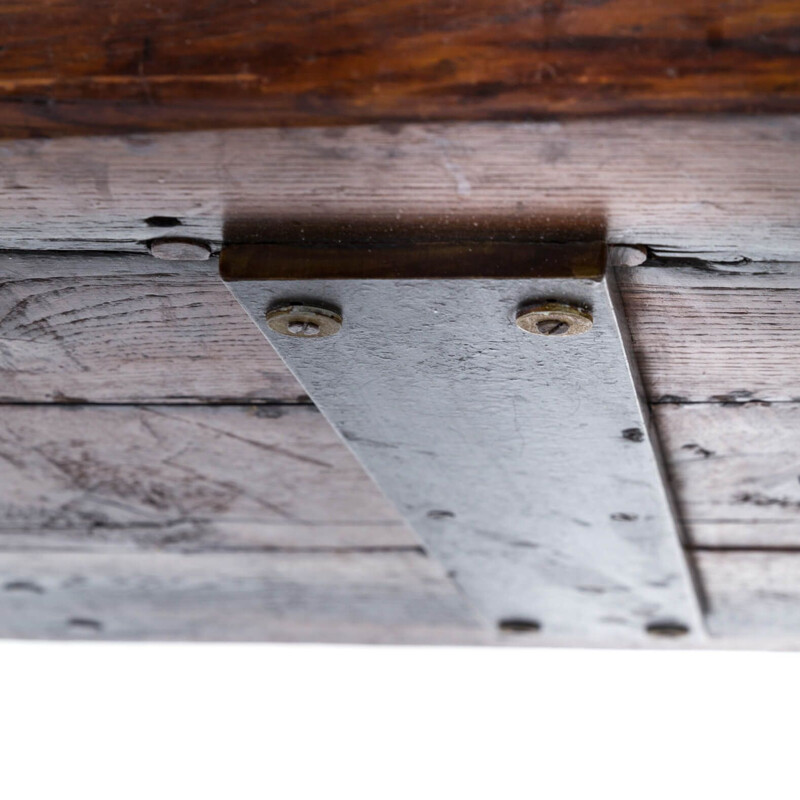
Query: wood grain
(736, 471)
(753, 596)
(722, 189)
(702, 333)
(716, 333)
(185, 479)
(104, 68)
(99, 329)
(319, 597)
(259, 478)
(385, 597)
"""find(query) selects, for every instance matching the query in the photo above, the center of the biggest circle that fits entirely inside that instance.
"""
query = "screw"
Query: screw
(519, 625)
(304, 322)
(552, 327)
(667, 630)
(554, 319)
(622, 255)
(302, 328)
(179, 249)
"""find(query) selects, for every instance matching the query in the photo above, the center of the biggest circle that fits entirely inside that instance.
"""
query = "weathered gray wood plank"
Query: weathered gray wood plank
(320, 597)
(714, 333)
(127, 328)
(185, 478)
(102, 328)
(200, 478)
(724, 187)
(753, 595)
(390, 597)
(736, 471)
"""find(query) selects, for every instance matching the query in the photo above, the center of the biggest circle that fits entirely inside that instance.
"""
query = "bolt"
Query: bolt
(554, 319)
(304, 322)
(179, 249)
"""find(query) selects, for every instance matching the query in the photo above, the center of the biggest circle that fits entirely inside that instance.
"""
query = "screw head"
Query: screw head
(174, 248)
(554, 319)
(519, 625)
(667, 629)
(304, 322)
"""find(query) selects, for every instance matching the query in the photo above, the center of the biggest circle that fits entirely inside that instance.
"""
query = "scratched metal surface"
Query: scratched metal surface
(525, 463)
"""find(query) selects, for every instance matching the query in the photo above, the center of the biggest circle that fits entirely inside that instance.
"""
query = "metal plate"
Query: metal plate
(525, 463)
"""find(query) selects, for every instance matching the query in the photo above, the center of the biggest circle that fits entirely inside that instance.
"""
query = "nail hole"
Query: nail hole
(667, 630)
(85, 624)
(519, 625)
(633, 435)
(438, 513)
(23, 586)
(163, 222)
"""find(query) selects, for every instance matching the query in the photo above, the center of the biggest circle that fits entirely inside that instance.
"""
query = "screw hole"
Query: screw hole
(667, 630)
(23, 586)
(84, 624)
(163, 222)
(438, 513)
(519, 625)
(633, 434)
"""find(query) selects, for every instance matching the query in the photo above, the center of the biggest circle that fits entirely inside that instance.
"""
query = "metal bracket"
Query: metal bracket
(521, 455)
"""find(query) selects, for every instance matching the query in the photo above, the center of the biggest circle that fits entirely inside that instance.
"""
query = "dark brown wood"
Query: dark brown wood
(70, 67)
(408, 260)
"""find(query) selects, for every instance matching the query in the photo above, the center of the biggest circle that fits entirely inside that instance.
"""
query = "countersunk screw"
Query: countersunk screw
(303, 328)
(304, 322)
(554, 319)
(175, 248)
(552, 327)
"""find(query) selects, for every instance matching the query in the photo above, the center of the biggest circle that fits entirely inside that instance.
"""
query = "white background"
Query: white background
(274, 721)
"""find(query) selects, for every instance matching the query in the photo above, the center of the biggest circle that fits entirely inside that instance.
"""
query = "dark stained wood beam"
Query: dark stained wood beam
(94, 66)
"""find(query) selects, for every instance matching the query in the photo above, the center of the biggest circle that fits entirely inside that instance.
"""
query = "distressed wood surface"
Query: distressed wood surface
(190, 478)
(716, 333)
(721, 188)
(320, 597)
(753, 595)
(123, 329)
(702, 333)
(736, 471)
(185, 478)
(100, 329)
(105, 67)
(388, 597)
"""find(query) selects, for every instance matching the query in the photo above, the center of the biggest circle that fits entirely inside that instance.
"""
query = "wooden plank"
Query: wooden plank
(99, 328)
(716, 333)
(736, 472)
(753, 596)
(94, 327)
(196, 478)
(93, 67)
(185, 478)
(320, 597)
(389, 597)
(720, 188)
(703, 333)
